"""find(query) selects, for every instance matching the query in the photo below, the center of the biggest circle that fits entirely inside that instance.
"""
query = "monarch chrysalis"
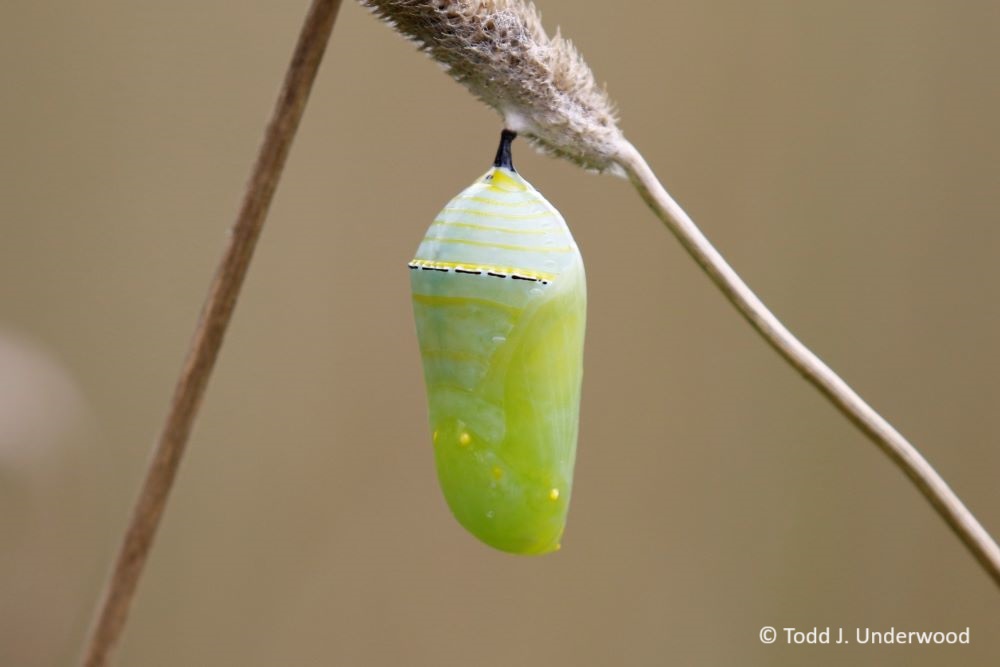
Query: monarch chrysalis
(500, 300)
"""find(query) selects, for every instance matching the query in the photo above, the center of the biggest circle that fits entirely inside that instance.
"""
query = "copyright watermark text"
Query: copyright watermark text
(832, 635)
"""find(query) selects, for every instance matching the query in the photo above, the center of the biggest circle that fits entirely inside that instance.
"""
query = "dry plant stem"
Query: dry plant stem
(903, 454)
(215, 316)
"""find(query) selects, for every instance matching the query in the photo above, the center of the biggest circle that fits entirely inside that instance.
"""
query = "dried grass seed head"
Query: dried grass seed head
(499, 50)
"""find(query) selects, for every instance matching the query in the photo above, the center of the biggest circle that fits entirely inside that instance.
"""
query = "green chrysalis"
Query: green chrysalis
(499, 298)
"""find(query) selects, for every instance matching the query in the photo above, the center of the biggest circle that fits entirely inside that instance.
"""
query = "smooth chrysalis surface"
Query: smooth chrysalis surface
(500, 300)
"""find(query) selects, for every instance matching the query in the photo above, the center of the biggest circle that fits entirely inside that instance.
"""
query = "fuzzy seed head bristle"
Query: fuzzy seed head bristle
(498, 49)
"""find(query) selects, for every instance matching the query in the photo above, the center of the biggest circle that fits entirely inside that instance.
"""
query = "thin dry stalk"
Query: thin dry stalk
(811, 367)
(215, 316)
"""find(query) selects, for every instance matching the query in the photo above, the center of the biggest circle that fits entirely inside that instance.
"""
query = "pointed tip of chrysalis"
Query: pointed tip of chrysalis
(504, 158)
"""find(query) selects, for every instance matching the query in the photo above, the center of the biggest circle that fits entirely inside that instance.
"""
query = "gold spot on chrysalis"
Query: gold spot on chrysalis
(554, 494)
(497, 472)
(464, 439)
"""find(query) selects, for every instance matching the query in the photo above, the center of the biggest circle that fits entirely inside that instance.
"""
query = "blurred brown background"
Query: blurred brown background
(844, 156)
